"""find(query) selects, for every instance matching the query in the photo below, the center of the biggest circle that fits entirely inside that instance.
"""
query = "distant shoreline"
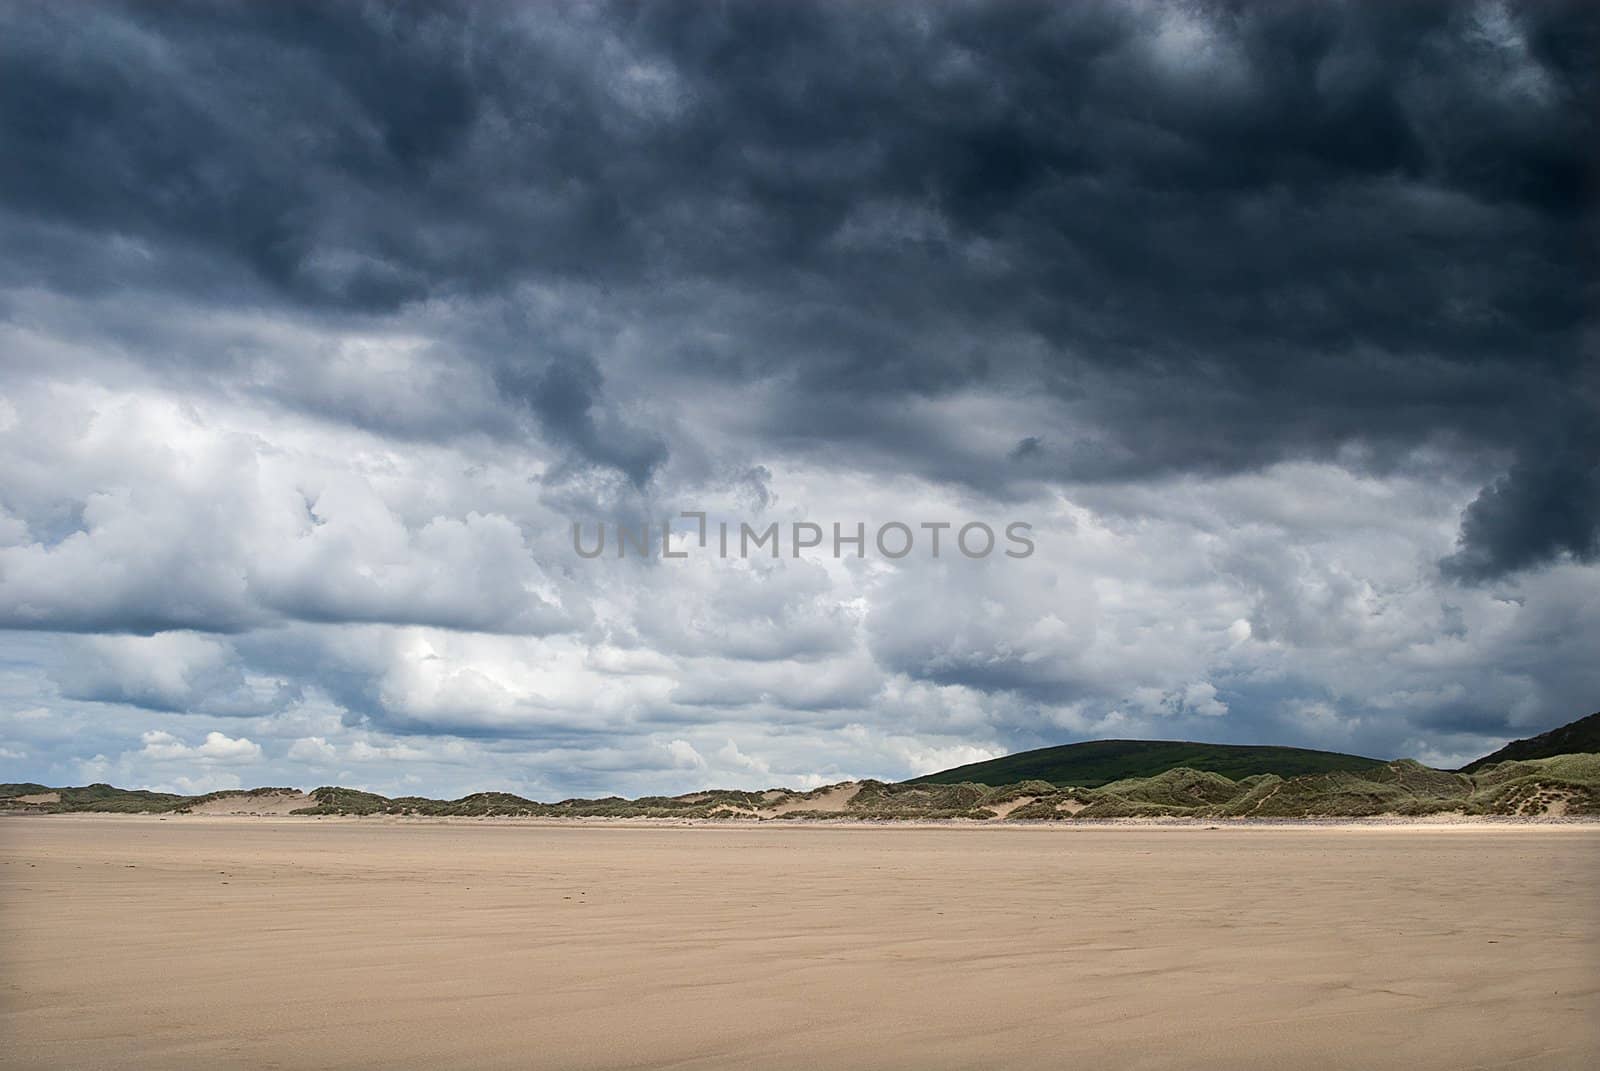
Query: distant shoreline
(1478, 823)
(1560, 786)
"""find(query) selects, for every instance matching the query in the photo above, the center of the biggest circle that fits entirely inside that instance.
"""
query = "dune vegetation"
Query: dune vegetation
(1565, 785)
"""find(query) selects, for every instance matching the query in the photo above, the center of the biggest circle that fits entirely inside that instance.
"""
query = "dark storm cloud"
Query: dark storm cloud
(1547, 506)
(563, 397)
(1219, 236)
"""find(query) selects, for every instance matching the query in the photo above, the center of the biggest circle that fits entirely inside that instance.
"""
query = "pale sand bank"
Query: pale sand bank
(256, 803)
(236, 942)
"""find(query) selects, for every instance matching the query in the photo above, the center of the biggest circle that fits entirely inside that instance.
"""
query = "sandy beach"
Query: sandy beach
(277, 942)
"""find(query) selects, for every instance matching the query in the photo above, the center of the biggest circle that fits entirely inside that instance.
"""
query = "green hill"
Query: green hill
(1574, 738)
(1100, 762)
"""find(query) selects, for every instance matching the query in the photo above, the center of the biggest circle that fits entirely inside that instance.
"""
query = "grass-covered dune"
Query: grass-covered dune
(1100, 762)
(1561, 785)
(100, 798)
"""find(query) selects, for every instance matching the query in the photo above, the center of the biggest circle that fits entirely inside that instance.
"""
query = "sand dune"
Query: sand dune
(1004, 810)
(832, 801)
(215, 942)
(256, 803)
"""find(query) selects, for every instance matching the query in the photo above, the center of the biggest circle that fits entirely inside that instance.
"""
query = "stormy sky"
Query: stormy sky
(320, 325)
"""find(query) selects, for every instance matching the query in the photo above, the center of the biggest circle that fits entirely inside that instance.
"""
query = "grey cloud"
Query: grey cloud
(173, 672)
(1548, 505)
(563, 397)
(321, 324)
(1227, 196)
(139, 515)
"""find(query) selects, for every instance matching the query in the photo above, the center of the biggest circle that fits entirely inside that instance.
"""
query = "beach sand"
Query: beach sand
(216, 942)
